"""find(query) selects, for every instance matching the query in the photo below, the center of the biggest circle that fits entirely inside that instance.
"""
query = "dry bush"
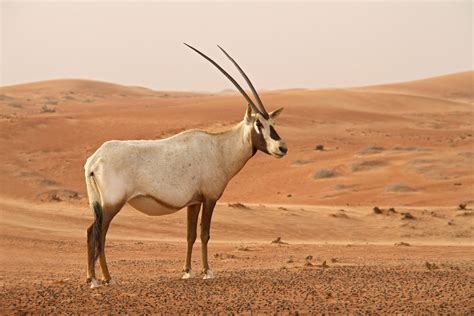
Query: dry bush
(409, 148)
(242, 247)
(342, 186)
(339, 215)
(279, 241)
(46, 109)
(407, 215)
(238, 205)
(402, 244)
(371, 149)
(325, 173)
(378, 210)
(367, 165)
(299, 162)
(399, 187)
(431, 266)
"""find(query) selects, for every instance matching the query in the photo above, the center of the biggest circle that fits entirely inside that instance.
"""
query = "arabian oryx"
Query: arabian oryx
(159, 177)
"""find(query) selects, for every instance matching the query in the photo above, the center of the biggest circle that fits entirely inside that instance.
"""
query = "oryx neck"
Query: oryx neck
(236, 148)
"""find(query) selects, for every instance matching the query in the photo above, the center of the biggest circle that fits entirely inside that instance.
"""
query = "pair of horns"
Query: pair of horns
(260, 109)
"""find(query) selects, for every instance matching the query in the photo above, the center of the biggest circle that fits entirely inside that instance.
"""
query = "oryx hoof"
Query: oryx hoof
(108, 282)
(94, 283)
(188, 275)
(208, 275)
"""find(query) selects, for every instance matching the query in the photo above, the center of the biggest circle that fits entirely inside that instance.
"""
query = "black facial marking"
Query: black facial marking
(273, 134)
(258, 141)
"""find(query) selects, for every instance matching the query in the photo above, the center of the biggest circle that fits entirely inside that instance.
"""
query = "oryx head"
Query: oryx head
(264, 136)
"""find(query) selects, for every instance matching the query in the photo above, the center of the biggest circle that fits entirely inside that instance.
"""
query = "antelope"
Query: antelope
(160, 177)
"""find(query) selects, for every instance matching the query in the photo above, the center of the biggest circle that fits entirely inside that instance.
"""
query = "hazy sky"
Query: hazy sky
(280, 45)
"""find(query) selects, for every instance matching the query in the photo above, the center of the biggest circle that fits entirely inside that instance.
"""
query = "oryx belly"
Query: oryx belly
(152, 206)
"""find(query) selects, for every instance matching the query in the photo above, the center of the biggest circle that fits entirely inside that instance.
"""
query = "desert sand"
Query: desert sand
(405, 148)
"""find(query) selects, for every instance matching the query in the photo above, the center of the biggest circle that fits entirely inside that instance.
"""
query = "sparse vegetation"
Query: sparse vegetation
(399, 187)
(319, 147)
(238, 205)
(367, 165)
(58, 195)
(462, 206)
(409, 148)
(339, 215)
(223, 256)
(299, 162)
(407, 215)
(402, 244)
(372, 149)
(325, 173)
(279, 241)
(378, 210)
(242, 247)
(324, 265)
(46, 109)
(342, 186)
(431, 266)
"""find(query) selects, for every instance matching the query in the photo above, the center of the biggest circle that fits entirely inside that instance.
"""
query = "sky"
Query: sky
(279, 44)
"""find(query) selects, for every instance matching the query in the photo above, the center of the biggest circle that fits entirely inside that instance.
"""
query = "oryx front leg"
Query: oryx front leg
(207, 209)
(193, 214)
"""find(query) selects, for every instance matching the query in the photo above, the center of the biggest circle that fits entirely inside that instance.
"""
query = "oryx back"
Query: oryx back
(158, 177)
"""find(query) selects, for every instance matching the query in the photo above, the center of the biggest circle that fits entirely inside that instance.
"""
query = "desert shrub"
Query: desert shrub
(407, 215)
(402, 244)
(378, 210)
(238, 205)
(325, 173)
(371, 149)
(399, 187)
(367, 165)
(299, 162)
(46, 109)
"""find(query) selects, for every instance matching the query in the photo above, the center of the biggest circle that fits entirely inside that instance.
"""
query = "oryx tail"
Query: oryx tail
(95, 245)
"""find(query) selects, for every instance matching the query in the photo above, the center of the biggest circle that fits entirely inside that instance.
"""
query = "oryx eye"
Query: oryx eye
(259, 124)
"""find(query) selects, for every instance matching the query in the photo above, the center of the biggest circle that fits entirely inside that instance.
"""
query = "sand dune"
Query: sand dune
(415, 121)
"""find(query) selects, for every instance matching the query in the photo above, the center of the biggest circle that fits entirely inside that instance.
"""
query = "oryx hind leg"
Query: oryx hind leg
(95, 243)
(109, 214)
(90, 254)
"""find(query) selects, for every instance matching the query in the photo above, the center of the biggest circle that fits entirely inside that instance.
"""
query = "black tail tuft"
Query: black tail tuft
(96, 242)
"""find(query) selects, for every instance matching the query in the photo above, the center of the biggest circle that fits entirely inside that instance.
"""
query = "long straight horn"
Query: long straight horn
(255, 94)
(250, 102)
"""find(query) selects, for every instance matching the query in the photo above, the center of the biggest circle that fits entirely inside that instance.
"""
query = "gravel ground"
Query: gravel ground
(257, 278)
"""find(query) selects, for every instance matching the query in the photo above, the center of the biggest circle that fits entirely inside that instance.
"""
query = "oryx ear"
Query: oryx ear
(276, 113)
(248, 114)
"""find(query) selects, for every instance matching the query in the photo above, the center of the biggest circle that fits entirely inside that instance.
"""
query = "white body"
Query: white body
(159, 177)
